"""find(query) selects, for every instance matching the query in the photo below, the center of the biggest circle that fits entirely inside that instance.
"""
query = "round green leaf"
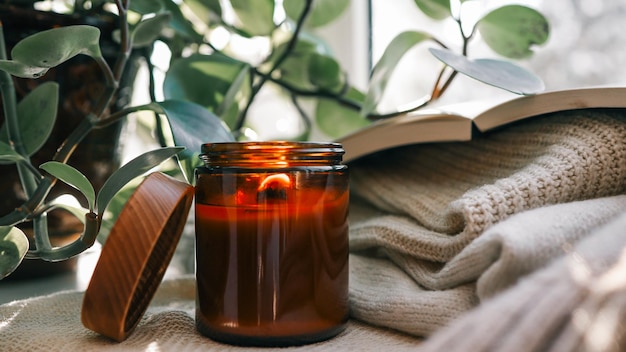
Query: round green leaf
(13, 248)
(52, 47)
(322, 11)
(72, 177)
(513, 30)
(147, 31)
(383, 69)
(336, 120)
(294, 70)
(435, 9)
(129, 171)
(37, 113)
(325, 73)
(498, 73)
(256, 16)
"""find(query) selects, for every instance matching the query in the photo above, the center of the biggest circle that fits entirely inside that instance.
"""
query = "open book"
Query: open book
(458, 122)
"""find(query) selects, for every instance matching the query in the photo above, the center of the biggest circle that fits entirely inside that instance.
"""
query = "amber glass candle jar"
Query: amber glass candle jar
(271, 242)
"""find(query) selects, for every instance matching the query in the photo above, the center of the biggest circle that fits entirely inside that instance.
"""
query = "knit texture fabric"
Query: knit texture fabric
(424, 245)
(577, 303)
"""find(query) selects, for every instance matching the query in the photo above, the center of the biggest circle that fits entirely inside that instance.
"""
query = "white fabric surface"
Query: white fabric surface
(52, 323)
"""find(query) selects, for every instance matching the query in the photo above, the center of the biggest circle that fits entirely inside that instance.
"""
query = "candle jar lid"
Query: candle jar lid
(123, 285)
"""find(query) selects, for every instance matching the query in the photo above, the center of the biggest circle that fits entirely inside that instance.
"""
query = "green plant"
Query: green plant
(302, 67)
(210, 89)
(28, 124)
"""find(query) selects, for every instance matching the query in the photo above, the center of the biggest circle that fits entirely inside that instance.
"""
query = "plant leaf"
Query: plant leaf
(212, 81)
(52, 47)
(8, 154)
(383, 69)
(115, 207)
(322, 11)
(180, 24)
(498, 73)
(207, 10)
(435, 9)
(37, 113)
(147, 31)
(77, 211)
(256, 16)
(145, 6)
(13, 248)
(294, 70)
(20, 70)
(325, 73)
(189, 165)
(335, 120)
(228, 110)
(513, 30)
(192, 125)
(212, 5)
(129, 171)
(72, 177)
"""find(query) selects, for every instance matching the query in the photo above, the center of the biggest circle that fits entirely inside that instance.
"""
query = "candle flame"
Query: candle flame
(275, 181)
(274, 187)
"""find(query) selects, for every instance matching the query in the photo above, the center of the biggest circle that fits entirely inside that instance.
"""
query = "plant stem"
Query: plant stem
(114, 117)
(86, 240)
(440, 88)
(264, 78)
(40, 226)
(351, 104)
(160, 132)
(70, 144)
(305, 118)
(342, 100)
(26, 210)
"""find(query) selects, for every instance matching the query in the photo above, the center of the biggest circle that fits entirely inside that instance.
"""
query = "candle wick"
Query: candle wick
(274, 187)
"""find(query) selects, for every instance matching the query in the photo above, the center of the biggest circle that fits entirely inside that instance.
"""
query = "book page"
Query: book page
(543, 103)
(408, 129)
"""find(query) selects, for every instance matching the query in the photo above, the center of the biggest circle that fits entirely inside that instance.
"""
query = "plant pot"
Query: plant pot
(80, 82)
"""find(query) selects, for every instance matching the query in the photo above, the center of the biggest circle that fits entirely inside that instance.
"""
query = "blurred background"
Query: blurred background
(587, 46)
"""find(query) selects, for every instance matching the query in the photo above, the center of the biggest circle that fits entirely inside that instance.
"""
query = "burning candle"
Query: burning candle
(271, 243)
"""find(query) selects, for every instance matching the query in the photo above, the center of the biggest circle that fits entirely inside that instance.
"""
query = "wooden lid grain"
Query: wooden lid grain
(135, 256)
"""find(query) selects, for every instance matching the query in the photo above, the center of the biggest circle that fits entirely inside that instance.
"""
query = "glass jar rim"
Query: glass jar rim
(271, 146)
(275, 153)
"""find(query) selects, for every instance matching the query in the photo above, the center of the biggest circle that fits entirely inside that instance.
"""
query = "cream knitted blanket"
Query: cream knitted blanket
(424, 234)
